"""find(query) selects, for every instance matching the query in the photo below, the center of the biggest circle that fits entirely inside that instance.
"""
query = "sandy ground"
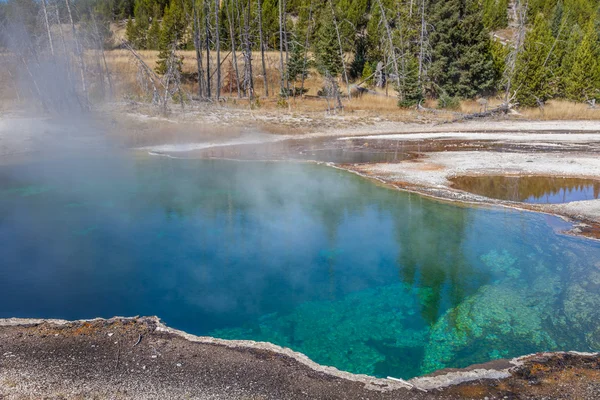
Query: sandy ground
(140, 358)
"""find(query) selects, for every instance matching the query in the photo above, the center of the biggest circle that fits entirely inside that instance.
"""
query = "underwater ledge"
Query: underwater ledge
(140, 357)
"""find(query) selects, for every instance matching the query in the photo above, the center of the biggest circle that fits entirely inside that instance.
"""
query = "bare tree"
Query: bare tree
(198, 48)
(281, 71)
(207, 34)
(100, 44)
(248, 80)
(262, 48)
(218, 48)
(511, 61)
(147, 73)
(78, 49)
(47, 21)
(64, 45)
(332, 92)
(231, 20)
(308, 31)
(392, 48)
(286, 42)
(422, 44)
(339, 38)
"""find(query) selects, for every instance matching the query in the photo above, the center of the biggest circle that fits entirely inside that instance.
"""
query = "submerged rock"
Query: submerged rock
(377, 331)
(498, 322)
(504, 319)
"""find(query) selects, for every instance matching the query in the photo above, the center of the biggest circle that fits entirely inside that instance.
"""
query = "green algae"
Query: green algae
(501, 263)
(28, 191)
(526, 308)
(486, 325)
(350, 333)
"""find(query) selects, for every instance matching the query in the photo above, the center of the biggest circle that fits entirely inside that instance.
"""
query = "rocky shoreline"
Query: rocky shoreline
(141, 358)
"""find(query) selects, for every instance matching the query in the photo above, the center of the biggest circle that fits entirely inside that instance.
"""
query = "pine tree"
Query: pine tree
(583, 81)
(495, 14)
(367, 74)
(557, 18)
(130, 31)
(532, 79)
(462, 63)
(295, 67)
(154, 34)
(566, 52)
(141, 29)
(153, 37)
(500, 53)
(360, 59)
(171, 35)
(327, 51)
(411, 91)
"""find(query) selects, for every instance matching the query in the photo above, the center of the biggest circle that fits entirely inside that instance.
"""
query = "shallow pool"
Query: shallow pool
(354, 275)
(530, 189)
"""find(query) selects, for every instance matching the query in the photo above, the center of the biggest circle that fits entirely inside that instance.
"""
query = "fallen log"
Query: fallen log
(501, 109)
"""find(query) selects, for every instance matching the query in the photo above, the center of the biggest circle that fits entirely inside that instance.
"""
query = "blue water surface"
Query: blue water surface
(354, 275)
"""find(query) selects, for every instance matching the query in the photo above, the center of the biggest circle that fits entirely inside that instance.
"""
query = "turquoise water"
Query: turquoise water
(356, 276)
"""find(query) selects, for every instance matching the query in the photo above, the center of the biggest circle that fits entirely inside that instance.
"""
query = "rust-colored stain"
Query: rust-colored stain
(89, 328)
(430, 167)
(472, 391)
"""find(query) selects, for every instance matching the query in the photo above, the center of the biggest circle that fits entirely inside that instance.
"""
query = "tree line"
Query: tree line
(527, 51)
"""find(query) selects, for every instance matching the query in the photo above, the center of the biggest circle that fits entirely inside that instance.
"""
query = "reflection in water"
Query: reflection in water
(356, 276)
(530, 189)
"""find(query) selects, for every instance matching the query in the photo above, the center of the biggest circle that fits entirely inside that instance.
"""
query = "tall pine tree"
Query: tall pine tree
(171, 34)
(461, 60)
(583, 81)
(327, 48)
(533, 72)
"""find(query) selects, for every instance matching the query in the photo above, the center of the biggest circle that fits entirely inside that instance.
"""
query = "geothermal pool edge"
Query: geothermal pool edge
(143, 358)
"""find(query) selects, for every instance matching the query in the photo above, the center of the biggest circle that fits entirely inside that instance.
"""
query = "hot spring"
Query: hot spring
(353, 275)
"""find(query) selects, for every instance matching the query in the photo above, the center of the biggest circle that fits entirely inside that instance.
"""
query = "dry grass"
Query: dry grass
(370, 102)
(124, 68)
(127, 85)
(474, 106)
(562, 110)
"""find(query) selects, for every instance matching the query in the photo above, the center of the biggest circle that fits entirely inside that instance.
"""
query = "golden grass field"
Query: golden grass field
(127, 84)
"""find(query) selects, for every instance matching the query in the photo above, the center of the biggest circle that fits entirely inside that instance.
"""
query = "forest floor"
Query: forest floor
(140, 358)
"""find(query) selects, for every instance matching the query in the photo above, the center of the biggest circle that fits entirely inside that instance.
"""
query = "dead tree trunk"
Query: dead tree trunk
(78, 50)
(422, 43)
(262, 48)
(198, 48)
(248, 79)
(105, 64)
(218, 49)
(391, 42)
(304, 61)
(148, 72)
(207, 32)
(231, 18)
(511, 62)
(337, 31)
(286, 42)
(47, 22)
(64, 46)
(281, 71)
